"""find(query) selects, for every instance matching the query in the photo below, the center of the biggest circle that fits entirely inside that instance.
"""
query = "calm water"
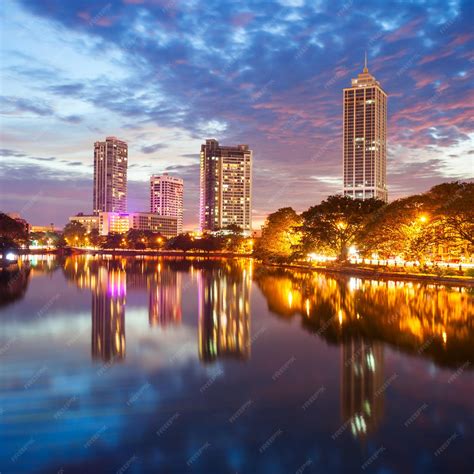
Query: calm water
(161, 365)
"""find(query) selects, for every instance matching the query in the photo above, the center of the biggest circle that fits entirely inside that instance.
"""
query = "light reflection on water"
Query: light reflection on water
(232, 353)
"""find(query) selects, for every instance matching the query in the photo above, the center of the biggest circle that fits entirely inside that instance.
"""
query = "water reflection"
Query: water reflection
(224, 313)
(164, 307)
(108, 314)
(165, 320)
(362, 376)
(424, 320)
(13, 285)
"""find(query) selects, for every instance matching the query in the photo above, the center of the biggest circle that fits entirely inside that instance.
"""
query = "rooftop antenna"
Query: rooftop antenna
(365, 63)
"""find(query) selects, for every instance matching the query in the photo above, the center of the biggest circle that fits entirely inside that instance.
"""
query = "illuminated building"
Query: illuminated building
(110, 176)
(90, 222)
(108, 315)
(225, 186)
(122, 222)
(166, 197)
(164, 297)
(365, 138)
(362, 384)
(224, 315)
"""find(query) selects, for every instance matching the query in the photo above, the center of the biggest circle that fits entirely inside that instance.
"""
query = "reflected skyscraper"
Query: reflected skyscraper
(108, 315)
(224, 315)
(361, 384)
(164, 288)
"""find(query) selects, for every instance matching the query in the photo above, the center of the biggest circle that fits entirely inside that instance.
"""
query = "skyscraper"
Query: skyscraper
(365, 138)
(226, 186)
(110, 175)
(166, 197)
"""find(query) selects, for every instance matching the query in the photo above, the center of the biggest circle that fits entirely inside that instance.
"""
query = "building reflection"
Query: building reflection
(362, 368)
(421, 319)
(108, 315)
(224, 312)
(164, 300)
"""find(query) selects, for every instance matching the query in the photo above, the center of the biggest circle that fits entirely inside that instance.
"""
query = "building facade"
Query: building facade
(110, 175)
(115, 222)
(166, 197)
(88, 221)
(225, 186)
(365, 138)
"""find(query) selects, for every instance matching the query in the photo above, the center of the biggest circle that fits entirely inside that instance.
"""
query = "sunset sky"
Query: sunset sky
(166, 75)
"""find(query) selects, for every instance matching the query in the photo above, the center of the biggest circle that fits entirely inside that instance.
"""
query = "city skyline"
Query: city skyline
(154, 89)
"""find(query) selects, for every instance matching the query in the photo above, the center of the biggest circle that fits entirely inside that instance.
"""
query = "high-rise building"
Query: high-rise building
(225, 186)
(110, 175)
(166, 197)
(365, 138)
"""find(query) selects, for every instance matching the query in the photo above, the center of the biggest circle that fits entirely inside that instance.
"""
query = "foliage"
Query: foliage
(141, 239)
(453, 203)
(44, 238)
(281, 235)
(180, 242)
(74, 233)
(417, 227)
(13, 230)
(114, 241)
(336, 224)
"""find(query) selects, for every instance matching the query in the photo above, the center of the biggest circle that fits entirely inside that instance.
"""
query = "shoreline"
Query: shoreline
(345, 270)
(380, 275)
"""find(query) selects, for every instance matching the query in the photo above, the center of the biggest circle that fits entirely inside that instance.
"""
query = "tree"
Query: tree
(417, 226)
(336, 224)
(13, 230)
(280, 235)
(95, 238)
(234, 241)
(453, 203)
(403, 228)
(74, 233)
(113, 241)
(210, 242)
(180, 242)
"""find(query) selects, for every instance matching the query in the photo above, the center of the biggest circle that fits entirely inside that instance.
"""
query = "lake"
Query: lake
(226, 366)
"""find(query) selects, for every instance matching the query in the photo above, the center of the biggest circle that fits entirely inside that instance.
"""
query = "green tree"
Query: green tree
(74, 233)
(336, 224)
(281, 235)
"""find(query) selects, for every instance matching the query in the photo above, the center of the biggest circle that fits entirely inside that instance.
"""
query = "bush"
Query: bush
(470, 272)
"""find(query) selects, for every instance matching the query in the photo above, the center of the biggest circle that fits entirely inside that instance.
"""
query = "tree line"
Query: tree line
(415, 228)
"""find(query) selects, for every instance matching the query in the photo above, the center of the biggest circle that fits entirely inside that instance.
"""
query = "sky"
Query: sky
(164, 75)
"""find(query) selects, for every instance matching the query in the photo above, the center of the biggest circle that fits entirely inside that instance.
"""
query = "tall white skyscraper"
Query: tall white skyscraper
(226, 186)
(365, 138)
(166, 197)
(110, 175)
